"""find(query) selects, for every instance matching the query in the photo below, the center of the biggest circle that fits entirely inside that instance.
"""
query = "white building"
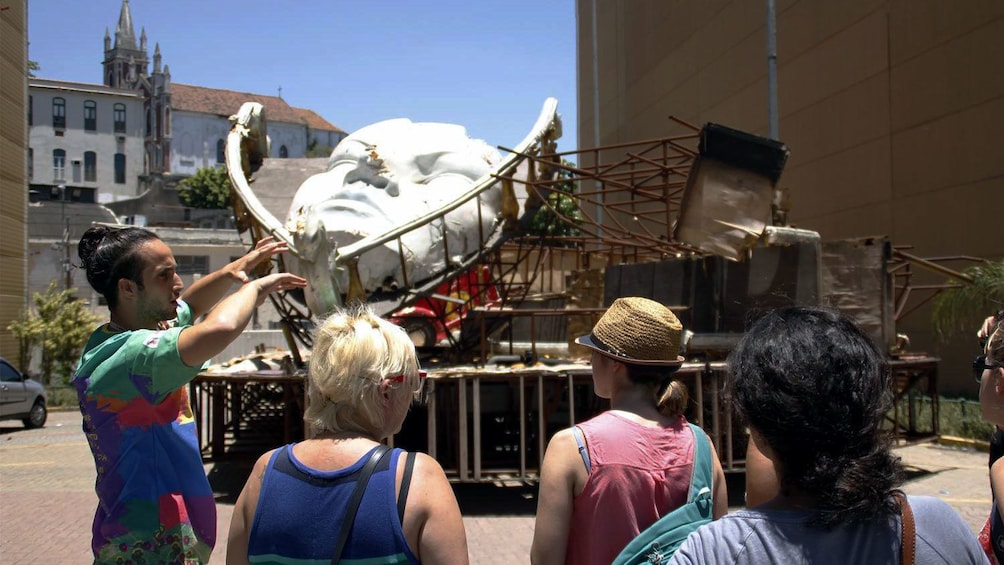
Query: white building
(140, 132)
(199, 120)
(87, 138)
(116, 152)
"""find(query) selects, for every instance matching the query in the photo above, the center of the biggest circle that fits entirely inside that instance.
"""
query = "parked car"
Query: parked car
(21, 397)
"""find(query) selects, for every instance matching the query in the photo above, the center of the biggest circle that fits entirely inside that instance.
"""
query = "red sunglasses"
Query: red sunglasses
(400, 378)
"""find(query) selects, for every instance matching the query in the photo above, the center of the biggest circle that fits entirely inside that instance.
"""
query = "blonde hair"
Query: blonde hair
(354, 350)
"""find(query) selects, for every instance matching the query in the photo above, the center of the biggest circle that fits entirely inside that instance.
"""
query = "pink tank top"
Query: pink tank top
(638, 475)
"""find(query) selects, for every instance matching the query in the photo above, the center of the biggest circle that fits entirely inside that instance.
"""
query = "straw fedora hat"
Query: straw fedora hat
(638, 331)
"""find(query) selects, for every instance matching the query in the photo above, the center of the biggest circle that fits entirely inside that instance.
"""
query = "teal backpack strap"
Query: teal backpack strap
(583, 451)
(657, 543)
(701, 482)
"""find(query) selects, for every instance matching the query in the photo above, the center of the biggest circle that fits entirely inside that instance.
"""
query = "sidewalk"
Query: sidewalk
(47, 497)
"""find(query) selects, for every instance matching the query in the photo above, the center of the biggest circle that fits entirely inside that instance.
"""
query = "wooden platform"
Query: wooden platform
(485, 424)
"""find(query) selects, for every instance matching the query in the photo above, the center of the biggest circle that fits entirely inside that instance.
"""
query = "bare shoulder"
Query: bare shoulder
(258, 471)
(428, 468)
(562, 443)
(429, 490)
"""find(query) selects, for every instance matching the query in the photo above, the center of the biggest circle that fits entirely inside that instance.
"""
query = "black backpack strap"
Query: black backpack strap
(402, 497)
(357, 497)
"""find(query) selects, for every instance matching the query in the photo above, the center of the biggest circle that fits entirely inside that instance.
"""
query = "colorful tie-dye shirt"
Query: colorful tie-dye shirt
(155, 504)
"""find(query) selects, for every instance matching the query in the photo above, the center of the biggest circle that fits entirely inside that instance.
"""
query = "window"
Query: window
(120, 168)
(90, 115)
(90, 166)
(59, 113)
(283, 152)
(8, 374)
(58, 164)
(149, 121)
(31, 104)
(192, 264)
(31, 163)
(220, 157)
(120, 119)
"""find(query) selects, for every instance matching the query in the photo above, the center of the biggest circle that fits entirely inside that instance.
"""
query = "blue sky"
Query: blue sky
(485, 64)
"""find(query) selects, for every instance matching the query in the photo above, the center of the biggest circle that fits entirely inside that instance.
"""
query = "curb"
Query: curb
(952, 441)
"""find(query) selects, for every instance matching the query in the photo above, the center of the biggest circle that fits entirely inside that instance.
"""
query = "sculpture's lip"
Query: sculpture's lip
(352, 207)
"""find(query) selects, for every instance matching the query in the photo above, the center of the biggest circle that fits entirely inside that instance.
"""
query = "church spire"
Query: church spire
(125, 36)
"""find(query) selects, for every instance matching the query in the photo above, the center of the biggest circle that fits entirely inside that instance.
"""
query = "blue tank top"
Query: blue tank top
(300, 512)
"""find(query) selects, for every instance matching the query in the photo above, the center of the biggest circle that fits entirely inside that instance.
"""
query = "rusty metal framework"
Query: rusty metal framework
(909, 295)
(628, 194)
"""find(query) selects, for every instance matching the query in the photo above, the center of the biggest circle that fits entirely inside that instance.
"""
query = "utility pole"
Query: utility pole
(772, 117)
(65, 242)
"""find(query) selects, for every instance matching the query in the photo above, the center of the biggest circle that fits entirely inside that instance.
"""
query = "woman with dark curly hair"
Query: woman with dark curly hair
(814, 391)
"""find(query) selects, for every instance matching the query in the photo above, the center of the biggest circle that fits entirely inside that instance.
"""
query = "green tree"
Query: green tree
(548, 221)
(60, 324)
(208, 188)
(32, 68)
(962, 308)
(318, 149)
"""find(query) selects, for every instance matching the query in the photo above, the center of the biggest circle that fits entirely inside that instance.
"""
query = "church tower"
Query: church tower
(125, 62)
(126, 66)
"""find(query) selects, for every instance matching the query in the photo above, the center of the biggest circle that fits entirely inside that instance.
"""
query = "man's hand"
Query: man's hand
(230, 317)
(264, 250)
(276, 282)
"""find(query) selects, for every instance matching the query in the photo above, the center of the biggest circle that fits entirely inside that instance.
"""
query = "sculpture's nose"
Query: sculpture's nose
(367, 170)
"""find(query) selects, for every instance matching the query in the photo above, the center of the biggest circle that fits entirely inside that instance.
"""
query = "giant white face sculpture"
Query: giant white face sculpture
(384, 176)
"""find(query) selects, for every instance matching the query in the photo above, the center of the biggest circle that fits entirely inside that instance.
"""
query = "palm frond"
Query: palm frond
(961, 309)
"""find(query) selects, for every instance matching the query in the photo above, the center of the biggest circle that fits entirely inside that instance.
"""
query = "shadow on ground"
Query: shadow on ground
(488, 499)
(227, 478)
(914, 473)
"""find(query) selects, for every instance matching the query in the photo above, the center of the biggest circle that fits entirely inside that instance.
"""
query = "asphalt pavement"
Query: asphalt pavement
(47, 496)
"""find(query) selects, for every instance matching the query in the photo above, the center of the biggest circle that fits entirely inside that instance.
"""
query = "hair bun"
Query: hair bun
(89, 243)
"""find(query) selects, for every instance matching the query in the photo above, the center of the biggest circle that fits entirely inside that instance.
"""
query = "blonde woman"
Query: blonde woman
(297, 504)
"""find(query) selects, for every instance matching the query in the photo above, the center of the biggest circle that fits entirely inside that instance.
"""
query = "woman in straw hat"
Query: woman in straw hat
(605, 480)
(298, 504)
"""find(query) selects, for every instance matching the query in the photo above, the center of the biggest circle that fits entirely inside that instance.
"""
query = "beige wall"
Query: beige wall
(13, 187)
(892, 110)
